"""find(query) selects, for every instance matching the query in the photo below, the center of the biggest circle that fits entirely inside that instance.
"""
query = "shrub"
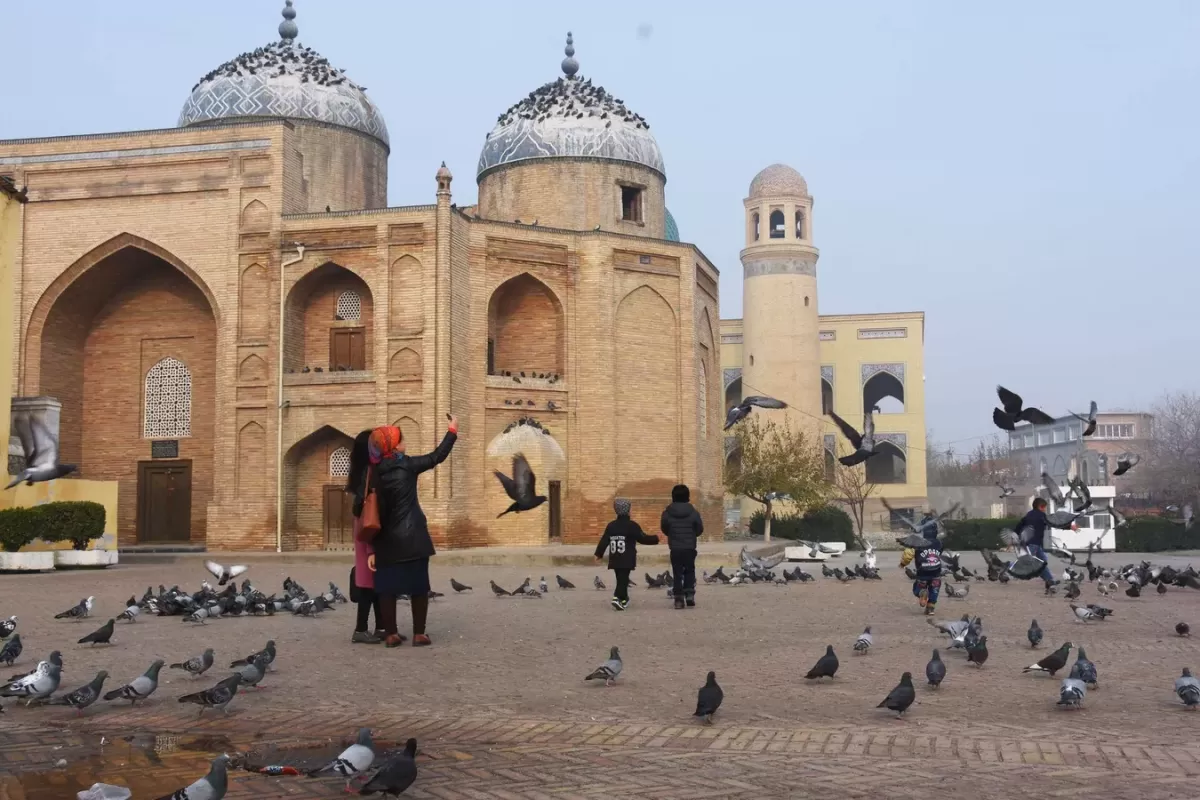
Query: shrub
(1155, 534)
(18, 527)
(975, 534)
(75, 522)
(823, 524)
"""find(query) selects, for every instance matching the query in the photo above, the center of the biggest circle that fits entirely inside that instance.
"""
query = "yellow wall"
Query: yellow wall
(847, 352)
(23, 496)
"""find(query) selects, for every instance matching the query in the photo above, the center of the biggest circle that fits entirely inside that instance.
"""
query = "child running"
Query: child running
(621, 538)
(926, 552)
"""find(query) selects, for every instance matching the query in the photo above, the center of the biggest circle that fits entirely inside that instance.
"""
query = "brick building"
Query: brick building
(222, 305)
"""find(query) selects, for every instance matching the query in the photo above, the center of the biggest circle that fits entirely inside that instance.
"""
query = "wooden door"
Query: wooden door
(164, 501)
(347, 348)
(555, 501)
(339, 518)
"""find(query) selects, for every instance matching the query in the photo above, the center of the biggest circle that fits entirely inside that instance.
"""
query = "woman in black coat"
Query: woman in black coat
(403, 545)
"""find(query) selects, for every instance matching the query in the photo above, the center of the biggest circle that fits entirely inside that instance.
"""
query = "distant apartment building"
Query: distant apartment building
(1052, 448)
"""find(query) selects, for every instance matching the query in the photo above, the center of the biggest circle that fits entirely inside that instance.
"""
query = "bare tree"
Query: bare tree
(852, 489)
(776, 460)
(988, 463)
(1172, 468)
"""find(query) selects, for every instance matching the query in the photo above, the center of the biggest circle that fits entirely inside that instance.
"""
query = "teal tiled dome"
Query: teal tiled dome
(672, 228)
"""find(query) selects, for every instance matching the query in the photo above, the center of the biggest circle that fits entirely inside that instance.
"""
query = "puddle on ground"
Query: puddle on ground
(152, 765)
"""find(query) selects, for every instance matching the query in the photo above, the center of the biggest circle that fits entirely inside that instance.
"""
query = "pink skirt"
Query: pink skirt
(364, 578)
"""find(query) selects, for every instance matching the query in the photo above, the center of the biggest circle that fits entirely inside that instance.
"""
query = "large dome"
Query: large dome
(283, 79)
(570, 118)
(778, 180)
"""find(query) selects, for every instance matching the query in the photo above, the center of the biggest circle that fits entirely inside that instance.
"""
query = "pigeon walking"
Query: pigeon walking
(84, 696)
(1181, 628)
(742, 410)
(863, 443)
(543, 587)
(935, 670)
(1084, 613)
(224, 574)
(1073, 690)
(218, 697)
(81, 611)
(459, 587)
(563, 583)
(268, 654)
(1188, 689)
(211, 787)
(40, 683)
(196, 665)
(397, 773)
(140, 687)
(1087, 670)
(8, 626)
(709, 698)
(826, 666)
(40, 447)
(130, 614)
(900, 698)
(1014, 411)
(353, 761)
(1053, 662)
(864, 641)
(520, 488)
(609, 670)
(599, 584)
(977, 654)
(253, 672)
(496, 590)
(102, 635)
(11, 650)
(1034, 634)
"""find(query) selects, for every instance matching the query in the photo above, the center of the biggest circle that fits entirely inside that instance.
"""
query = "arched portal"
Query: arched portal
(526, 332)
(329, 322)
(888, 466)
(886, 391)
(125, 338)
(317, 511)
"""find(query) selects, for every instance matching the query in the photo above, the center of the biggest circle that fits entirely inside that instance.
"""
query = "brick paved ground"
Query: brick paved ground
(501, 710)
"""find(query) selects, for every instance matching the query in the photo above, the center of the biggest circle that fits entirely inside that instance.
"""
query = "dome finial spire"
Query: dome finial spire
(287, 29)
(569, 65)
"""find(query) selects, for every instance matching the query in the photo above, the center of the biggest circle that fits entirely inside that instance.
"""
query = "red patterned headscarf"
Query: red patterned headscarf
(383, 442)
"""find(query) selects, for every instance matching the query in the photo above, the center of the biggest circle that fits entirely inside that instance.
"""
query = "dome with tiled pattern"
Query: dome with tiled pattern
(672, 227)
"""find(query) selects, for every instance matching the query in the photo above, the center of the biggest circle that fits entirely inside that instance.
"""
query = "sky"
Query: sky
(1025, 173)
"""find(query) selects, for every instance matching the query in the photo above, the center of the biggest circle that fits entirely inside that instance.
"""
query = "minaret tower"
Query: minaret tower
(780, 336)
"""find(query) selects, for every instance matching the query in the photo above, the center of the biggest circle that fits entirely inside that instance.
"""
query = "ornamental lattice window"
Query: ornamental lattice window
(167, 406)
(349, 305)
(339, 463)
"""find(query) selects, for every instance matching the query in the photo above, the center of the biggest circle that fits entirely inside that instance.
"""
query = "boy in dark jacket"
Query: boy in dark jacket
(682, 525)
(928, 559)
(620, 540)
(1036, 519)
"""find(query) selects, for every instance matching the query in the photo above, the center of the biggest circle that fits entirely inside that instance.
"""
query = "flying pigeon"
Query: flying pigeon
(1034, 634)
(1073, 690)
(1014, 412)
(977, 653)
(1053, 490)
(84, 696)
(81, 611)
(12, 649)
(1089, 421)
(354, 760)
(935, 670)
(140, 687)
(900, 698)
(1087, 670)
(397, 773)
(743, 409)
(826, 666)
(1126, 462)
(459, 587)
(40, 683)
(1053, 662)
(563, 583)
(1080, 490)
(8, 626)
(102, 635)
(864, 443)
(1188, 689)
(40, 447)
(211, 787)
(1181, 628)
(267, 653)
(599, 584)
(1006, 491)
(709, 698)
(496, 590)
(864, 641)
(609, 670)
(521, 487)
(218, 697)
(196, 665)
(224, 574)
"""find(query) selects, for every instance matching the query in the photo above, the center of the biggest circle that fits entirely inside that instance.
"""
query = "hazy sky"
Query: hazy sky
(1024, 173)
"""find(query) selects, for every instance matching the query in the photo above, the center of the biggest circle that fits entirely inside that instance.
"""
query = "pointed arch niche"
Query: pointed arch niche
(315, 335)
(646, 366)
(406, 301)
(526, 330)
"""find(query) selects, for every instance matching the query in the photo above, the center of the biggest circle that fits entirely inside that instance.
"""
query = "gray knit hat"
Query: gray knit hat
(621, 506)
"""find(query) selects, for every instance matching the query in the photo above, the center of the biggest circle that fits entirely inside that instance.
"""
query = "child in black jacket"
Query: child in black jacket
(620, 540)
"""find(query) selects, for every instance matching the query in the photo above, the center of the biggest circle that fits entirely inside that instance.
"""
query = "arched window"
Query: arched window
(339, 463)
(167, 404)
(799, 224)
(778, 227)
(883, 389)
(830, 467)
(349, 305)
(702, 396)
(755, 222)
(888, 465)
(826, 396)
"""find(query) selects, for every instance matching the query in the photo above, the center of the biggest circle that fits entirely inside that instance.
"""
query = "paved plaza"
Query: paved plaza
(501, 710)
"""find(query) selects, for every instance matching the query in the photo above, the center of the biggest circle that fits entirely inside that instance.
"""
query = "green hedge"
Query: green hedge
(974, 534)
(75, 522)
(824, 524)
(1139, 535)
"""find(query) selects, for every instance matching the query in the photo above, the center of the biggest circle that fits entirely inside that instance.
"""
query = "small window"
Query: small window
(631, 204)
(1029, 440)
(349, 306)
(1060, 435)
(1073, 433)
(778, 228)
(799, 224)
(339, 463)
(756, 226)
(806, 301)
(491, 357)
(1043, 438)
(752, 361)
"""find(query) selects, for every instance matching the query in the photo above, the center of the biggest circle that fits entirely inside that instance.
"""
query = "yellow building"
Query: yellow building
(783, 348)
